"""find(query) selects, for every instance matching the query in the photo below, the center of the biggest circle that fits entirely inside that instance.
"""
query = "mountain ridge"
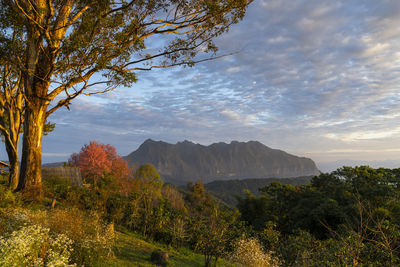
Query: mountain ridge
(186, 161)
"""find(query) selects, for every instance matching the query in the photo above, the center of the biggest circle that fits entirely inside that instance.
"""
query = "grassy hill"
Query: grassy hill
(132, 250)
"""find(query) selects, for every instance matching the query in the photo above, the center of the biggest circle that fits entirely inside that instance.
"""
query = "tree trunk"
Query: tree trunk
(207, 260)
(13, 166)
(31, 161)
(216, 261)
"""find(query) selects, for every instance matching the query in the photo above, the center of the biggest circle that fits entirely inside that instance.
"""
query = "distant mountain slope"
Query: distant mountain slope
(54, 164)
(228, 190)
(186, 161)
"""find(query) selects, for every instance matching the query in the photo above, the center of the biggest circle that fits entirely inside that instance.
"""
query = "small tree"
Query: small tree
(173, 196)
(213, 235)
(97, 160)
(147, 184)
(122, 175)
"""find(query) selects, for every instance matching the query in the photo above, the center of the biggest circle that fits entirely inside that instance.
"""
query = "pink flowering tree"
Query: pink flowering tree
(97, 160)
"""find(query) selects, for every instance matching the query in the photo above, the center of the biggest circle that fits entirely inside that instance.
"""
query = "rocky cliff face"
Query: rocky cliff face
(186, 161)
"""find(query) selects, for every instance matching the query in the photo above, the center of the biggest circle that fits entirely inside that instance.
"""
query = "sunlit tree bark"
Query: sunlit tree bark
(11, 110)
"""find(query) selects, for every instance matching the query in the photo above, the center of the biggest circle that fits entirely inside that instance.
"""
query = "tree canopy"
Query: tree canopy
(66, 48)
(97, 160)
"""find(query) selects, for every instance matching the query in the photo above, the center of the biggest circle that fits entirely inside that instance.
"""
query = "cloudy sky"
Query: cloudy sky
(319, 79)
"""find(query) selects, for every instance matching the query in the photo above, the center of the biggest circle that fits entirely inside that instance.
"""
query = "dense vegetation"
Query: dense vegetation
(228, 190)
(349, 217)
(113, 197)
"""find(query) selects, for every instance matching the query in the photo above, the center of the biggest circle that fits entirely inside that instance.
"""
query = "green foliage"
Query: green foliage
(115, 208)
(347, 217)
(213, 235)
(159, 213)
(145, 212)
(270, 237)
(8, 198)
(212, 227)
(58, 186)
(330, 200)
(228, 190)
(147, 173)
(254, 210)
(3, 178)
(200, 201)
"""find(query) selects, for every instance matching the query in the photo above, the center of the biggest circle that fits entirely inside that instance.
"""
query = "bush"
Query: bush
(35, 246)
(249, 253)
(57, 186)
(91, 238)
(7, 198)
(3, 178)
(12, 219)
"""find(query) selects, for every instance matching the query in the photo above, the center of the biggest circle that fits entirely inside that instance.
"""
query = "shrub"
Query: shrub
(3, 178)
(57, 185)
(249, 253)
(91, 238)
(12, 219)
(174, 197)
(7, 198)
(34, 246)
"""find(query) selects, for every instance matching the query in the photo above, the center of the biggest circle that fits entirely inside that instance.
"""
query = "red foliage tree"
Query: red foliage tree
(97, 160)
(122, 174)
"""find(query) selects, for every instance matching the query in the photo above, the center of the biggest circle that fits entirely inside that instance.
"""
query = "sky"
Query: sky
(319, 79)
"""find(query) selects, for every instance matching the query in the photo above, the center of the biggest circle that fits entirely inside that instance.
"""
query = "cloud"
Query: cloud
(365, 135)
(233, 69)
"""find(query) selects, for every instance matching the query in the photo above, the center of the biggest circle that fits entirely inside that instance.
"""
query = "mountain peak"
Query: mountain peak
(185, 142)
(186, 161)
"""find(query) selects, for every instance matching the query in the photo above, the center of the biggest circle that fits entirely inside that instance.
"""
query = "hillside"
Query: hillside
(185, 161)
(228, 190)
(133, 250)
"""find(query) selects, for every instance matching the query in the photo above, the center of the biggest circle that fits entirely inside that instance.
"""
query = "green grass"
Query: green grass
(131, 250)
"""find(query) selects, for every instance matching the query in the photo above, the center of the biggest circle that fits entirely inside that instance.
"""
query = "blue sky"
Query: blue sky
(319, 79)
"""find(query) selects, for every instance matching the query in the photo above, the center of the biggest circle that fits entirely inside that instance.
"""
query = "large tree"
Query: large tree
(72, 47)
(12, 108)
(11, 114)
